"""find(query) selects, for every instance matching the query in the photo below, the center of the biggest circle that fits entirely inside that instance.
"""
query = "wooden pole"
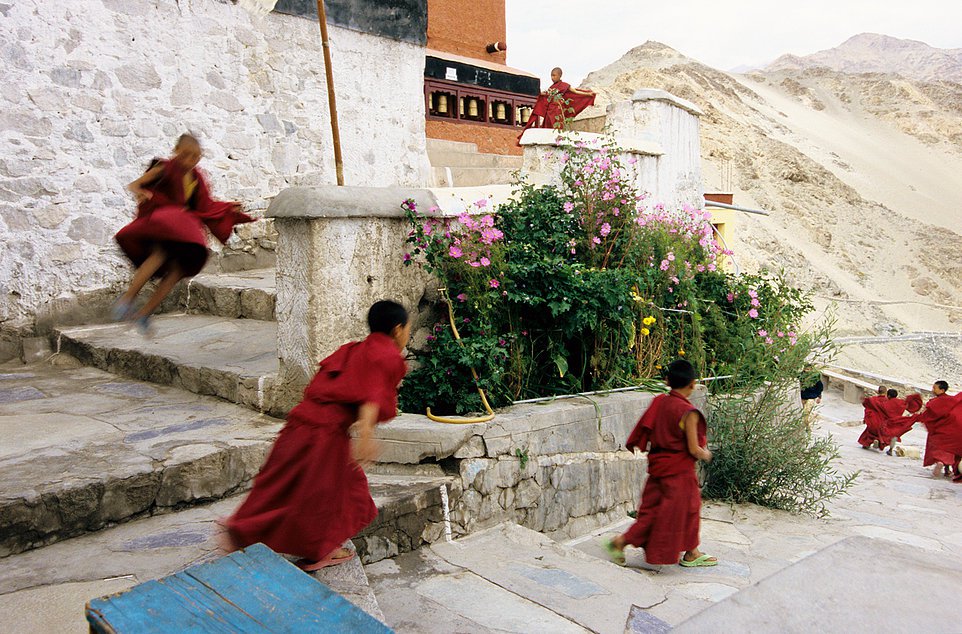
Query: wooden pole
(332, 102)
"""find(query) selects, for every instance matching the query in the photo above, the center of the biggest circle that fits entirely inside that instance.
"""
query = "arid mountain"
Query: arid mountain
(860, 174)
(873, 53)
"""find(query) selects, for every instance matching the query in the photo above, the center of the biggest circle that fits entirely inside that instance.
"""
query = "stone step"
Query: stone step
(234, 359)
(447, 158)
(536, 584)
(245, 295)
(472, 176)
(81, 449)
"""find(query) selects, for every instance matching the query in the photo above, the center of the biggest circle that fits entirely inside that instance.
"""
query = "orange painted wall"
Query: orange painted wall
(490, 140)
(466, 27)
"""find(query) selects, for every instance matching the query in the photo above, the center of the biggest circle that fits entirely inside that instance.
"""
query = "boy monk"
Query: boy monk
(874, 418)
(673, 432)
(896, 425)
(558, 104)
(943, 420)
(311, 495)
(167, 237)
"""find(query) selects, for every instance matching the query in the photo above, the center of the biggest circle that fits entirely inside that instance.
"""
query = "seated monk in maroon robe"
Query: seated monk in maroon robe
(673, 432)
(874, 418)
(167, 237)
(943, 420)
(896, 426)
(558, 104)
(312, 495)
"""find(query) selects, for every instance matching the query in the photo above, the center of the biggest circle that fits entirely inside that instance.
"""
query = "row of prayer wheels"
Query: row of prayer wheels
(470, 108)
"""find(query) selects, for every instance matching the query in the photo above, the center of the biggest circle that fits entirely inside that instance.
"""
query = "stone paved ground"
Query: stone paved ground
(895, 501)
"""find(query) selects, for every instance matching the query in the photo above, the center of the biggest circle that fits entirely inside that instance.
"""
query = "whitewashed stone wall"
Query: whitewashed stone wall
(658, 135)
(92, 89)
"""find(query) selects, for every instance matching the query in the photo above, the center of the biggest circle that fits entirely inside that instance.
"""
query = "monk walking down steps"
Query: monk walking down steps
(311, 495)
(674, 433)
(167, 238)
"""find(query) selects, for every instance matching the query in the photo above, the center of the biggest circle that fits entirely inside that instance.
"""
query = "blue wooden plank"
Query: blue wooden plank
(248, 592)
(153, 608)
(269, 588)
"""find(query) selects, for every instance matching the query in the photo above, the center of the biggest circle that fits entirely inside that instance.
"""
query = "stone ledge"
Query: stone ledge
(655, 94)
(554, 138)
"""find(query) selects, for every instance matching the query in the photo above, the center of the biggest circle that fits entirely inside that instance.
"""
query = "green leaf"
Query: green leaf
(562, 364)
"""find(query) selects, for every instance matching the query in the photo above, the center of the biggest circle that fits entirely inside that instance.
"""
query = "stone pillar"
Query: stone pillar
(340, 249)
(657, 116)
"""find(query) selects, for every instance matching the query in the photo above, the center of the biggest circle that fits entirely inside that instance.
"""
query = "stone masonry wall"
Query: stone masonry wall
(92, 89)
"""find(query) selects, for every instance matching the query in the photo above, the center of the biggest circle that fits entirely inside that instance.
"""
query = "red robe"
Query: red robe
(878, 409)
(176, 221)
(549, 112)
(668, 518)
(943, 420)
(310, 496)
(897, 425)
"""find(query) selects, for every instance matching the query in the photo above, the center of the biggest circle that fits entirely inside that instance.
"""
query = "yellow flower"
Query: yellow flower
(681, 352)
(657, 367)
(645, 332)
(649, 320)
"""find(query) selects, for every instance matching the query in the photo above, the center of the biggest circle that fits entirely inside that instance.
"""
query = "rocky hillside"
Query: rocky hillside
(874, 53)
(860, 172)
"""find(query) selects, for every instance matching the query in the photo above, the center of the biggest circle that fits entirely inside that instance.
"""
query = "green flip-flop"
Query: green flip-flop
(617, 555)
(702, 562)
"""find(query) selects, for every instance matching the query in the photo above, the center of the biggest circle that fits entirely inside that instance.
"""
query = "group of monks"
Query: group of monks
(886, 422)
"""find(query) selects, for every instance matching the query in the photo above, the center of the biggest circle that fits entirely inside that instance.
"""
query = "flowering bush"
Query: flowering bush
(584, 286)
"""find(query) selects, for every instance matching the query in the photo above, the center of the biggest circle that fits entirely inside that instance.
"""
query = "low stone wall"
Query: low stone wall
(559, 468)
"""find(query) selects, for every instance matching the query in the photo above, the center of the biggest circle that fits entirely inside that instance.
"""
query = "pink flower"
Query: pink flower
(792, 340)
(664, 265)
(573, 251)
(474, 264)
(671, 257)
(494, 283)
(769, 340)
(482, 203)
(462, 297)
(781, 334)
(762, 333)
(569, 206)
(455, 252)
(487, 221)
(596, 240)
(407, 257)
(605, 229)
(753, 314)
(752, 293)
(730, 297)
(485, 261)
(755, 302)
(712, 267)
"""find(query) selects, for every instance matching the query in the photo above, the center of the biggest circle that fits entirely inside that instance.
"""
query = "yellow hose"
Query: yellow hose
(484, 399)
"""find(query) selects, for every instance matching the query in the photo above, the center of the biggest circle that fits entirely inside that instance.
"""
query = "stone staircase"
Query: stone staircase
(458, 164)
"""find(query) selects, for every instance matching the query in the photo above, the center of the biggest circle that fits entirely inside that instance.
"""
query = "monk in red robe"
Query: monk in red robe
(312, 495)
(558, 104)
(167, 237)
(896, 426)
(943, 420)
(673, 431)
(874, 417)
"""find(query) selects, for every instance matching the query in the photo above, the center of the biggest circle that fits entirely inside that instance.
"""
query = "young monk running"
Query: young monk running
(943, 420)
(311, 495)
(898, 425)
(167, 238)
(874, 418)
(673, 432)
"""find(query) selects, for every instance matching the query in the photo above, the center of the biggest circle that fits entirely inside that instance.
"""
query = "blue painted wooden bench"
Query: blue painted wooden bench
(253, 590)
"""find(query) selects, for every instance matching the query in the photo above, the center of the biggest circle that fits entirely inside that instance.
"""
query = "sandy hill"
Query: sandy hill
(874, 53)
(861, 174)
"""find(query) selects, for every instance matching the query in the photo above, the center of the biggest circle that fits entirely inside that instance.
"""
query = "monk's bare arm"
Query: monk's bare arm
(365, 447)
(137, 187)
(690, 423)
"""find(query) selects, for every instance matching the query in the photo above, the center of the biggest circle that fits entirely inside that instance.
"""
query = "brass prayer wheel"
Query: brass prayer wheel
(500, 113)
(442, 103)
(461, 107)
(525, 115)
(472, 107)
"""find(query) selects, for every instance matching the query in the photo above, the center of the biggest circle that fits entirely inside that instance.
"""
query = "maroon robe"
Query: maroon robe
(175, 221)
(877, 412)
(310, 496)
(943, 420)
(668, 517)
(549, 112)
(897, 425)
